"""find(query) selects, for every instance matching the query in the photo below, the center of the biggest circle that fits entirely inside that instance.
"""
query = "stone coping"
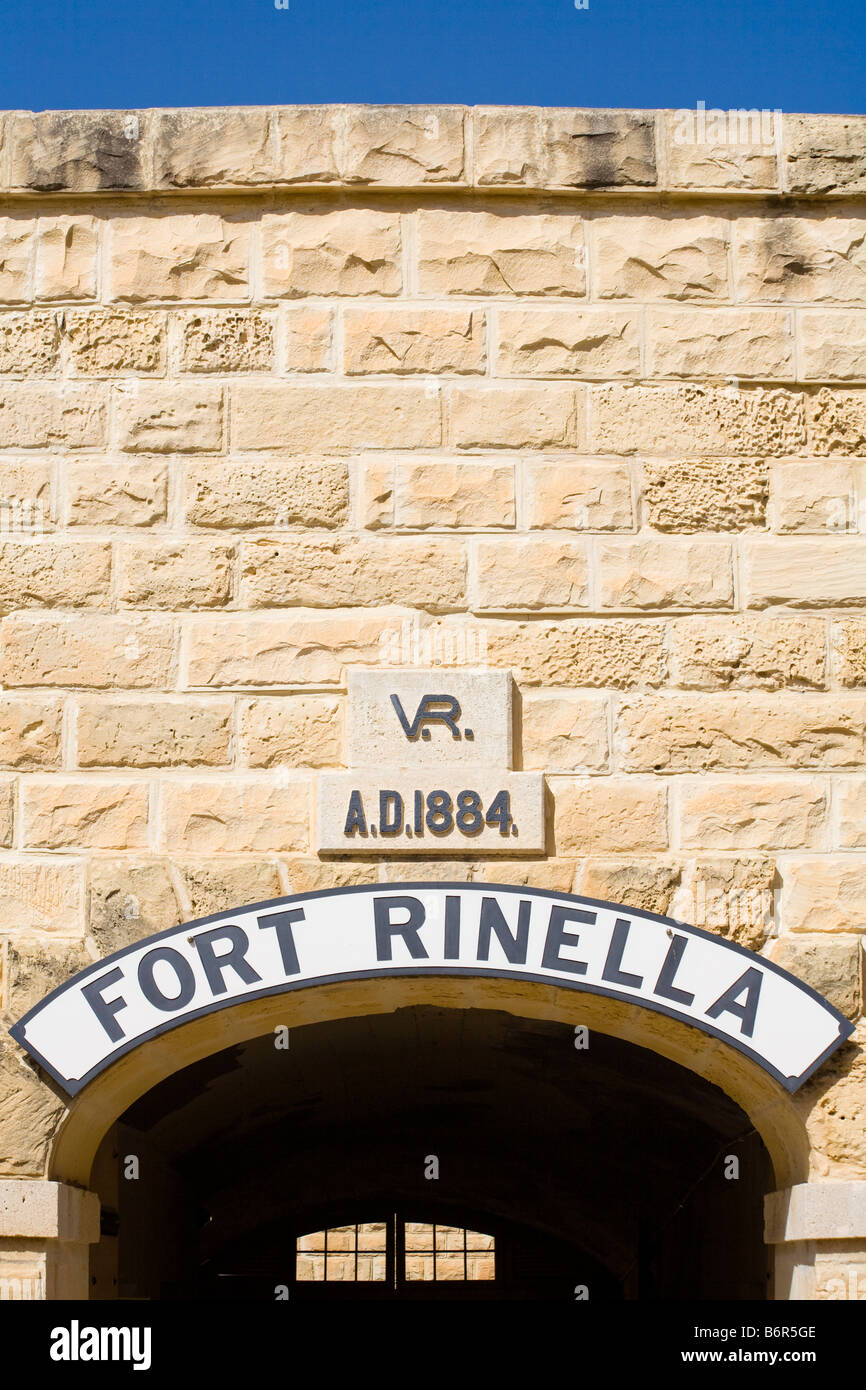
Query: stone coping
(490, 148)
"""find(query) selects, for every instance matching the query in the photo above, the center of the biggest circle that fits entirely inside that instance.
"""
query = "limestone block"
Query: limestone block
(26, 490)
(42, 896)
(646, 258)
(226, 340)
(308, 334)
(83, 651)
(586, 495)
(808, 573)
(292, 731)
(289, 492)
(109, 341)
(508, 146)
(40, 572)
(732, 343)
(16, 260)
(311, 875)
(835, 1121)
(471, 493)
(91, 814)
(78, 151)
(168, 732)
(30, 1115)
(344, 251)
(507, 252)
(300, 648)
(534, 572)
(7, 811)
(825, 154)
(34, 969)
(449, 826)
(67, 250)
(153, 417)
(645, 884)
(852, 813)
(824, 894)
(833, 344)
(128, 900)
(564, 732)
(515, 417)
(817, 497)
(714, 494)
(706, 149)
(665, 573)
(836, 422)
(40, 417)
(130, 492)
(689, 420)
(597, 149)
(800, 260)
(175, 574)
(747, 653)
(29, 344)
(30, 730)
(377, 735)
(733, 897)
(48, 1211)
(375, 490)
(213, 147)
(584, 652)
(220, 887)
(568, 342)
(321, 572)
(413, 340)
(306, 137)
(848, 645)
(403, 145)
(178, 256)
(749, 814)
(604, 814)
(334, 419)
(557, 875)
(833, 968)
(816, 1211)
(218, 817)
(702, 733)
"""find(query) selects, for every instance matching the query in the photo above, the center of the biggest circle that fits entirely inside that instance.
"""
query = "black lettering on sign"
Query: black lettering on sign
(234, 958)
(452, 928)
(151, 990)
(665, 986)
(750, 984)
(390, 813)
(432, 709)
(612, 973)
(105, 1009)
(282, 923)
(514, 945)
(386, 929)
(557, 937)
(355, 818)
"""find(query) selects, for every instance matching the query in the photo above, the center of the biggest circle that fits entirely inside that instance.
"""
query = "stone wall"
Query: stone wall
(284, 391)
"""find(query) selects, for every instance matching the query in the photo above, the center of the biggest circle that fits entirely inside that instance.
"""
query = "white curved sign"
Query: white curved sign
(431, 929)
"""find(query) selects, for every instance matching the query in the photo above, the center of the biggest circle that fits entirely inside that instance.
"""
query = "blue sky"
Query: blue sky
(798, 55)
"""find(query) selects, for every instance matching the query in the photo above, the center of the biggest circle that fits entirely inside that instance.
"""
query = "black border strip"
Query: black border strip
(72, 1088)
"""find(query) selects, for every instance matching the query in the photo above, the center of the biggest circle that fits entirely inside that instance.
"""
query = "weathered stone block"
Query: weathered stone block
(110, 341)
(314, 572)
(848, 647)
(403, 145)
(219, 887)
(824, 894)
(78, 151)
(833, 968)
(40, 417)
(308, 335)
(30, 730)
(175, 574)
(809, 573)
(30, 1114)
(464, 252)
(289, 492)
(734, 897)
(584, 496)
(568, 342)
(35, 968)
(29, 344)
(645, 884)
(153, 733)
(852, 813)
(213, 147)
(833, 344)
(825, 154)
(508, 146)
(7, 811)
(471, 493)
(646, 258)
(226, 340)
(800, 260)
(516, 417)
(706, 494)
(836, 422)
(92, 651)
(733, 150)
(689, 420)
(598, 149)
(91, 814)
(585, 652)
(130, 492)
(565, 733)
(154, 417)
(38, 896)
(747, 814)
(334, 419)
(665, 573)
(413, 340)
(309, 875)
(817, 497)
(306, 144)
(67, 250)
(129, 900)
(531, 573)
(720, 342)
(16, 260)
(41, 572)
(603, 814)
(346, 251)
(237, 816)
(301, 648)
(748, 653)
(292, 731)
(178, 256)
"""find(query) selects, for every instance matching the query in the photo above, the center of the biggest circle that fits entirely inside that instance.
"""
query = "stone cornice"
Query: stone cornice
(491, 149)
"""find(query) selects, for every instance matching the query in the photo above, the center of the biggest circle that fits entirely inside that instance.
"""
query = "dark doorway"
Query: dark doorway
(602, 1172)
